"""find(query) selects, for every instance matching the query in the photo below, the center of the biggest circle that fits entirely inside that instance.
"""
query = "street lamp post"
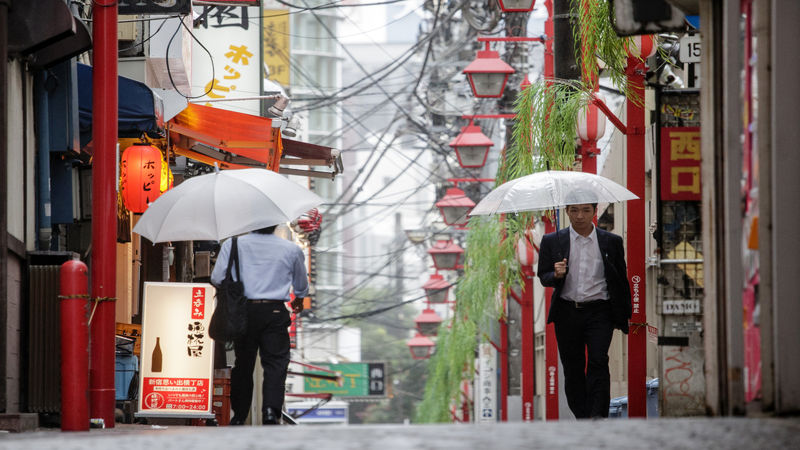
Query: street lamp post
(487, 73)
(428, 322)
(421, 347)
(436, 289)
(446, 255)
(471, 146)
(454, 206)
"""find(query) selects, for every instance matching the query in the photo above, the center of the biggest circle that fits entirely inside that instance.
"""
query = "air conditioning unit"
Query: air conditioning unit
(127, 28)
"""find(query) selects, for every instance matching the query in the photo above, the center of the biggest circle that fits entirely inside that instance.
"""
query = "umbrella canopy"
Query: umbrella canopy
(223, 204)
(551, 189)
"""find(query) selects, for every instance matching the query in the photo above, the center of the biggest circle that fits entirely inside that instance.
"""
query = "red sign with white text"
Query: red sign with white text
(198, 303)
(176, 393)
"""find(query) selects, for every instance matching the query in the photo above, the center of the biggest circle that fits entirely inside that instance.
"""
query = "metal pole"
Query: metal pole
(635, 230)
(104, 210)
(4, 372)
(74, 305)
(526, 306)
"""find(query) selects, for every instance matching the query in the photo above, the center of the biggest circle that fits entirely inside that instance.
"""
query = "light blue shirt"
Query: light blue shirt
(270, 265)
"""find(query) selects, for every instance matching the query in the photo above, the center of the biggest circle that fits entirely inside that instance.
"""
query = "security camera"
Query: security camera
(276, 110)
(669, 78)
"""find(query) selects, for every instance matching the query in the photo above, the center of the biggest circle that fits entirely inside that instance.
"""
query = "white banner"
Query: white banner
(232, 35)
(177, 370)
(485, 397)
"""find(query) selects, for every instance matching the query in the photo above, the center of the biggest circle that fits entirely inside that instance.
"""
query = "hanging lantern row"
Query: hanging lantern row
(421, 346)
(446, 255)
(436, 289)
(455, 207)
(471, 146)
(141, 171)
(488, 74)
(428, 322)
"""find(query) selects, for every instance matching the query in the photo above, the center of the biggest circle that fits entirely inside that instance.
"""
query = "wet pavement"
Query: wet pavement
(694, 433)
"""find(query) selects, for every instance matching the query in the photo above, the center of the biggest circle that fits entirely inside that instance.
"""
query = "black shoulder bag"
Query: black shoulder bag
(229, 321)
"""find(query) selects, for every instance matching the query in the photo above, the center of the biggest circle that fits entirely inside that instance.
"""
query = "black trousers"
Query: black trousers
(268, 334)
(583, 332)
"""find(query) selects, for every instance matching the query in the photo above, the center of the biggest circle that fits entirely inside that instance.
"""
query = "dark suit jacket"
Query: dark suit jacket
(555, 247)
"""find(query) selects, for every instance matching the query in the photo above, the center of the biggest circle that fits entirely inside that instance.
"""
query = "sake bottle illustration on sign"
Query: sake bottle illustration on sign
(155, 364)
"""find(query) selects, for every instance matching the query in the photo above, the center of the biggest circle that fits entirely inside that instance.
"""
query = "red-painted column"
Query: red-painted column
(527, 347)
(104, 209)
(74, 308)
(503, 370)
(551, 347)
(550, 350)
(635, 227)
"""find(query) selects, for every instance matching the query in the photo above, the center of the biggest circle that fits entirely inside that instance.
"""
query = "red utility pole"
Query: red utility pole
(635, 227)
(104, 210)
(73, 308)
(551, 347)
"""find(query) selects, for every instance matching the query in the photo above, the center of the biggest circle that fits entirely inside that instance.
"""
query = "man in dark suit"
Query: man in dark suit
(586, 267)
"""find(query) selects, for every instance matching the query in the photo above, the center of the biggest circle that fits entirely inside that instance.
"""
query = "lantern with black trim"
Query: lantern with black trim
(421, 347)
(488, 74)
(471, 146)
(454, 206)
(140, 176)
(428, 322)
(436, 289)
(446, 255)
(516, 5)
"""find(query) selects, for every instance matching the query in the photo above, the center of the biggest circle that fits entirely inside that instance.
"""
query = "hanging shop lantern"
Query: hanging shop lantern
(471, 146)
(516, 5)
(446, 255)
(436, 289)
(454, 206)
(428, 322)
(166, 176)
(421, 347)
(591, 121)
(528, 251)
(488, 74)
(641, 46)
(140, 176)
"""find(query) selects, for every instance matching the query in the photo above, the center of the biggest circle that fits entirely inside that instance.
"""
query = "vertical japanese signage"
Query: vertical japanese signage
(680, 163)
(230, 34)
(486, 384)
(276, 44)
(177, 360)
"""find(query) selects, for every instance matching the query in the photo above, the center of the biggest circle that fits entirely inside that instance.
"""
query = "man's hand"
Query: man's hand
(297, 305)
(560, 269)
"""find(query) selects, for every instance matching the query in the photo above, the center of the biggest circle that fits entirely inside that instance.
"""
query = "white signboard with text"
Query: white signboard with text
(231, 35)
(177, 370)
(486, 384)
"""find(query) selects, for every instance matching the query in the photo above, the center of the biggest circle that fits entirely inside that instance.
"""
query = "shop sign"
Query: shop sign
(276, 44)
(177, 358)
(132, 7)
(680, 163)
(231, 39)
(681, 307)
(359, 379)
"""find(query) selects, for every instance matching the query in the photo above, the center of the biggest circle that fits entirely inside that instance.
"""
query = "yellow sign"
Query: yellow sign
(276, 44)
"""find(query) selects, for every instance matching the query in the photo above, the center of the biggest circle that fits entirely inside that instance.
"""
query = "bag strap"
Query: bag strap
(233, 260)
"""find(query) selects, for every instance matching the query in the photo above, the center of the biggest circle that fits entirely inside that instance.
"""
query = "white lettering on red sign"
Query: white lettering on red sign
(636, 280)
(551, 380)
(198, 303)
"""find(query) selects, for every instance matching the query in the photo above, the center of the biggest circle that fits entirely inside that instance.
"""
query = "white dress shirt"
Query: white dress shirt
(270, 266)
(586, 279)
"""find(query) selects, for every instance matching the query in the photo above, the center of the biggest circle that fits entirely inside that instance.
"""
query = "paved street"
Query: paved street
(721, 433)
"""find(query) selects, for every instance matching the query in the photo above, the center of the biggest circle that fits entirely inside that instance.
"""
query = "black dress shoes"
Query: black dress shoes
(236, 421)
(270, 417)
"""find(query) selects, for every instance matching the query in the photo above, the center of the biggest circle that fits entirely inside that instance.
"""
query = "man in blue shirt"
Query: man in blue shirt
(270, 267)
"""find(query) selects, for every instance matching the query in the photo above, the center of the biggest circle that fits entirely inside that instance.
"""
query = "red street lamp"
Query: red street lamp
(446, 255)
(488, 74)
(428, 322)
(436, 289)
(454, 206)
(471, 146)
(421, 347)
(516, 5)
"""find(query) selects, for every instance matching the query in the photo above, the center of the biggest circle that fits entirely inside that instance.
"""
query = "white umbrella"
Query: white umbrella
(223, 204)
(551, 189)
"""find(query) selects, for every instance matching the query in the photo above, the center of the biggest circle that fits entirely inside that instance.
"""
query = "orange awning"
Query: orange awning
(235, 140)
(228, 133)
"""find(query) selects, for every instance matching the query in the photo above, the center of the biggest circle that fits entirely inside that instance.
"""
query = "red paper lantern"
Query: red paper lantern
(140, 176)
(591, 122)
(641, 46)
